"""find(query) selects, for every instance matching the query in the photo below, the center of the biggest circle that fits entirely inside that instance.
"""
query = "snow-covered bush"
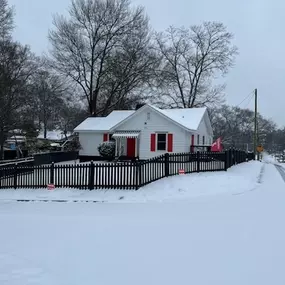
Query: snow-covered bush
(72, 145)
(107, 149)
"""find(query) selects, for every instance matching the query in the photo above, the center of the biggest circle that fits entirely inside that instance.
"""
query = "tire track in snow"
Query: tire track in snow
(261, 174)
(281, 171)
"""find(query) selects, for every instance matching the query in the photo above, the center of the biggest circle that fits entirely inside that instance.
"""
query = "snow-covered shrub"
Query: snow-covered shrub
(72, 145)
(107, 149)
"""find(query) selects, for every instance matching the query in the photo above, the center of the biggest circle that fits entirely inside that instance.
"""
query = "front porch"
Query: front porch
(127, 145)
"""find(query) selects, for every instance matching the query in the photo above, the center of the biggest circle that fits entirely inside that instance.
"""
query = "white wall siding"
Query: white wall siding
(154, 124)
(89, 143)
(204, 131)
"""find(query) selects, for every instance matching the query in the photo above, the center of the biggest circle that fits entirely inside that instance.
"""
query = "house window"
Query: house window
(198, 139)
(203, 140)
(148, 116)
(161, 141)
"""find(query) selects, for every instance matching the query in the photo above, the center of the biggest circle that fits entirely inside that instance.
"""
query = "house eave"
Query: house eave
(91, 131)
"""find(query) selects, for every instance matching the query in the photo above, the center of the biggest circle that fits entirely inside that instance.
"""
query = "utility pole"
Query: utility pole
(255, 124)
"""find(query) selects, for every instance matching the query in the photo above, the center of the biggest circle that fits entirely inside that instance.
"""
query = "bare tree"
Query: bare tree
(48, 93)
(103, 48)
(71, 115)
(236, 125)
(16, 68)
(6, 19)
(190, 61)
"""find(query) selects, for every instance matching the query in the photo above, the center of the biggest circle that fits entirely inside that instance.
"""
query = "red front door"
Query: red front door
(131, 147)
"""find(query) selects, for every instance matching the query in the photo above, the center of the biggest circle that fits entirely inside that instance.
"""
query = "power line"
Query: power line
(250, 99)
(250, 95)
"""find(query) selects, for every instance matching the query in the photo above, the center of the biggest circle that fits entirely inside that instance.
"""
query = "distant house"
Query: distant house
(146, 132)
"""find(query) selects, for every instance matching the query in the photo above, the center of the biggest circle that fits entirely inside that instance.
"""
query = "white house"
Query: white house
(146, 132)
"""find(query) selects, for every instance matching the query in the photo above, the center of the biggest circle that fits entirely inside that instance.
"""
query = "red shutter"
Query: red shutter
(170, 143)
(152, 142)
(105, 137)
(192, 143)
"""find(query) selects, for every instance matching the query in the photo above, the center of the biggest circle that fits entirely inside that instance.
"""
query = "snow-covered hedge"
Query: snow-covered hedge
(107, 149)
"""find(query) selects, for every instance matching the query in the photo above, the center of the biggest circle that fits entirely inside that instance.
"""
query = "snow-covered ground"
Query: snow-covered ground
(215, 228)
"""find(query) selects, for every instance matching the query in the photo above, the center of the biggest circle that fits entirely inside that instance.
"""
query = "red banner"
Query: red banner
(217, 145)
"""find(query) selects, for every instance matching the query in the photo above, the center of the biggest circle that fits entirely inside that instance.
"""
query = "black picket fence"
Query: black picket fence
(54, 157)
(117, 175)
(9, 169)
(27, 165)
(12, 154)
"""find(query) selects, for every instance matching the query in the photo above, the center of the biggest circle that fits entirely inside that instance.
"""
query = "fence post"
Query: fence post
(229, 158)
(52, 173)
(198, 161)
(138, 174)
(91, 175)
(15, 175)
(166, 161)
(248, 157)
(226, 160)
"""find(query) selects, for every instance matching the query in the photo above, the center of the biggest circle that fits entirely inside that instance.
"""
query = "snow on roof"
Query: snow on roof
(103, 123)
(16, 139)
(189, 118)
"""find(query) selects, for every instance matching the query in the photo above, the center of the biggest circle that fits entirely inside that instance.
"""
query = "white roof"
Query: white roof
(190, 118)
(103, 123)
(16, 139)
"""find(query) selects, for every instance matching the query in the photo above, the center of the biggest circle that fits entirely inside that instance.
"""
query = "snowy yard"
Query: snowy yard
(212, 228)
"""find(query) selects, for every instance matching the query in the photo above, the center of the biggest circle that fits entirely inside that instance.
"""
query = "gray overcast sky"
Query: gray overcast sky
(256, 24)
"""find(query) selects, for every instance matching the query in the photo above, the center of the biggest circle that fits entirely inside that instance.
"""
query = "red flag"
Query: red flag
(217, 145)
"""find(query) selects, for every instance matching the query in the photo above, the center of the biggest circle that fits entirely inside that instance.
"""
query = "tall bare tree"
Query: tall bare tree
(71, 115)
(16, 68)
(235, 125)
(103, 46)
(48, 93)
(190, 61)
(6, 19)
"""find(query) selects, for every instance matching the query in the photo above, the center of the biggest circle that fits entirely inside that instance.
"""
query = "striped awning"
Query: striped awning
(126, 134)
